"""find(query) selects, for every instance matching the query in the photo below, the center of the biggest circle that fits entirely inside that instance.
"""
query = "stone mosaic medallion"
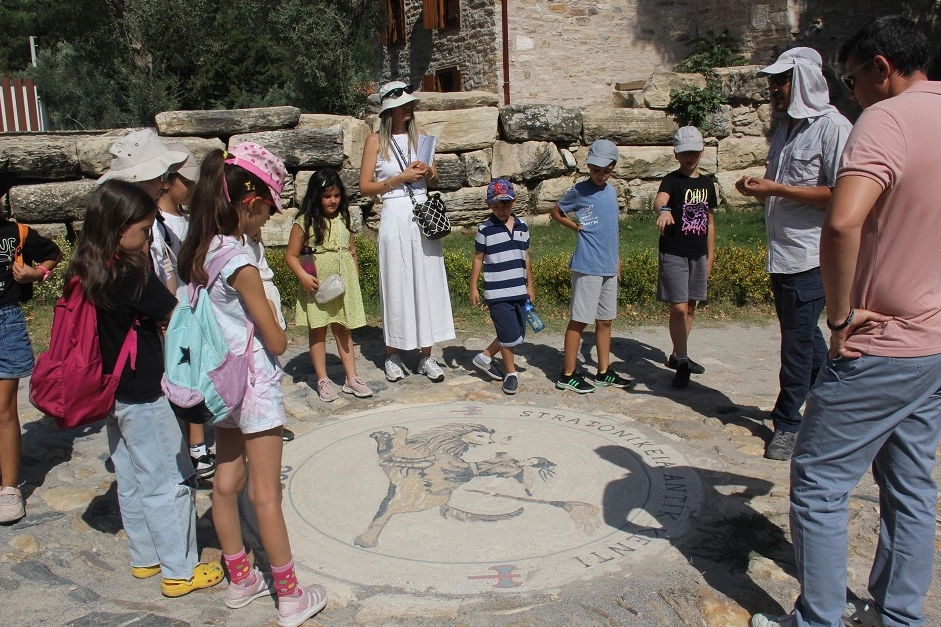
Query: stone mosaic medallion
(460, 499)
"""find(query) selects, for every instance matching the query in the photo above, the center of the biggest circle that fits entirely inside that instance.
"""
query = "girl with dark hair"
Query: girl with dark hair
(322, 230)
(112, 264)
(235, 195)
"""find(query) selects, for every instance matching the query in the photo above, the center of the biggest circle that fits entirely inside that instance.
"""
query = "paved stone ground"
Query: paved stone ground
(66, 563)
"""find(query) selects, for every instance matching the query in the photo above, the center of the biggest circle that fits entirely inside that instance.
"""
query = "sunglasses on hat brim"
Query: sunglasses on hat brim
(398, 91)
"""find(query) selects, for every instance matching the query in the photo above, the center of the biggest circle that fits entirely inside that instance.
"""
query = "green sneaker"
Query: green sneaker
(612, 379)
(575, 382)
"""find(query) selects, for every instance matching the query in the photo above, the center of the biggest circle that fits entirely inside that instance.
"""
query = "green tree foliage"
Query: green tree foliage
(712, 51)
(107, 63)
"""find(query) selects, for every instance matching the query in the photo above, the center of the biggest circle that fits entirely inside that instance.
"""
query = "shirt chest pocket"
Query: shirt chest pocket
(803, 168)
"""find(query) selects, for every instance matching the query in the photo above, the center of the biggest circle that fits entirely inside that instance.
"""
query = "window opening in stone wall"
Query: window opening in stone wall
(394, 32)
(445, 79)
(443, 14)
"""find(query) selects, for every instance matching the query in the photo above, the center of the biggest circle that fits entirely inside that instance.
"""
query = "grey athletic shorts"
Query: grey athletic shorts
(594, 297)
(681, 279)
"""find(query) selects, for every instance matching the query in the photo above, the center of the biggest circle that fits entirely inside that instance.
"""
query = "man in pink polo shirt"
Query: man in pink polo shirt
(877, 402)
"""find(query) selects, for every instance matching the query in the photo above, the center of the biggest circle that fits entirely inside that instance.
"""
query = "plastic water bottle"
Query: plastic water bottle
(535, 322)
(307, 261)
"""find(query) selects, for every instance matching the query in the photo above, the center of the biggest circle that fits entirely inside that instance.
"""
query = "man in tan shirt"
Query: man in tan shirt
(877, 402)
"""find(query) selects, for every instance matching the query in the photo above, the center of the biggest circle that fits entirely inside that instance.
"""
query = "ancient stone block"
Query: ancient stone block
(736, 153)
(51, 202)
(719, 123)
(462, 129)
(39, 156)
(92, 151)
(742, 84)
(451, 173)
(628, 126)
(729, 196)
(745, 120)
(301, 148)
(227, 121)
(658, 86)
(440, 101)
(640, 195)
(355, 133)
(541, 122)
(548, 193)
(477, 167)
(527, 161)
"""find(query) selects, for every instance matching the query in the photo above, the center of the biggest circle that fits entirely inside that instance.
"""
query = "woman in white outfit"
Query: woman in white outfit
(413, 286)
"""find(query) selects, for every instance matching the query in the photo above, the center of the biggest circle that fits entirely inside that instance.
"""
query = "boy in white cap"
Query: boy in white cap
(687, 245)
(595, 265)
(802, 165)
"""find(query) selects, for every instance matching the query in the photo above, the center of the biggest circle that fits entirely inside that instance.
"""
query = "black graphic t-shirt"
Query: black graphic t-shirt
(37, 249)
(691, 200)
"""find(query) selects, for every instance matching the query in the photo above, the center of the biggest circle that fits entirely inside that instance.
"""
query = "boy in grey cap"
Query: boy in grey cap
(595, 265)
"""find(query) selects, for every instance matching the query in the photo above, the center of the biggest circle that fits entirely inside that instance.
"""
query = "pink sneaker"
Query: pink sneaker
(241, 595)
(357, 387)
(292, 611)
(326, 391)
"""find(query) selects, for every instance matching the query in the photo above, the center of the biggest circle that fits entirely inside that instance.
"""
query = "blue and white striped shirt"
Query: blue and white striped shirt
(504, 259)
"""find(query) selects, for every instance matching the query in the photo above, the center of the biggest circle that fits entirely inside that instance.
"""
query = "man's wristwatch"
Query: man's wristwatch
(846, 323)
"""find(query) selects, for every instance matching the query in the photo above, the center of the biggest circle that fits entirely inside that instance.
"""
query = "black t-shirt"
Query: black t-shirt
(36, 249)
(691, 200)
(142, 384)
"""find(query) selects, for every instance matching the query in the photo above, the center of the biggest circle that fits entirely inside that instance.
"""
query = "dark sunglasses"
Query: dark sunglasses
(398, 91)
(780, 80)
(848, 79)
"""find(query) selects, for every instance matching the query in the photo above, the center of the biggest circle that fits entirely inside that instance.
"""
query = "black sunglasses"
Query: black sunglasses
(848, 78)
(398, 91)
(780, 80)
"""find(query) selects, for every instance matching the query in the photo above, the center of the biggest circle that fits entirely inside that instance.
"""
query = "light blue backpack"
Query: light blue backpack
(203, 379)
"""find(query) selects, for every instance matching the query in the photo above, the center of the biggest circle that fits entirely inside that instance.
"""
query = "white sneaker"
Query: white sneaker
(395, 369)
(430, 368)
(766, 620)
(294, 611)
(11, 505)
(860, 613)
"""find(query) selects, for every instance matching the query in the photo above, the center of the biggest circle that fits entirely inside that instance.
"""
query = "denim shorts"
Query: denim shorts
(509, 321)
(16, 352)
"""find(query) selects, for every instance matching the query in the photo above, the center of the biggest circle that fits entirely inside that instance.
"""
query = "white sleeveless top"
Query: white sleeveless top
(387, 169)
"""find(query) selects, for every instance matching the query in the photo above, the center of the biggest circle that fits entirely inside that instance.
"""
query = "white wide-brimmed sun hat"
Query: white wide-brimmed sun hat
(140, 156)
(395, 94)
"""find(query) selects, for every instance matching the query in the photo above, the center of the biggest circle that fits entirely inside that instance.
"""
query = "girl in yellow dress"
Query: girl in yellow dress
(322, 231)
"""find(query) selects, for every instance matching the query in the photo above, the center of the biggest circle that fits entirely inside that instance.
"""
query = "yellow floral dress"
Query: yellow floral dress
(332, 256)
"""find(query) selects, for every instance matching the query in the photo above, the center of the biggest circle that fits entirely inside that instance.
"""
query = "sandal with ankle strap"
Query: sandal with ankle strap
(205, 575)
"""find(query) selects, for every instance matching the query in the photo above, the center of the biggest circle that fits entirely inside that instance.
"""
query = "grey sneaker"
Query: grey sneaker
(489, 370)
(781, 445)
(766, 620)
(11, 505)
(430, 368)
(237, 596)
(860, 613)
(294, 611)
(395, 369)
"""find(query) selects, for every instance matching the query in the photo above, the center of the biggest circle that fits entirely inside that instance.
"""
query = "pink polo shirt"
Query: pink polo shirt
(897, 143)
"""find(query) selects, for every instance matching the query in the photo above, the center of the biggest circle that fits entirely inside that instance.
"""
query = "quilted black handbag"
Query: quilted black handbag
(430, 215)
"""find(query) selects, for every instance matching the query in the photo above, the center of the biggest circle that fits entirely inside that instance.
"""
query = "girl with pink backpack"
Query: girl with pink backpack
(237, 192)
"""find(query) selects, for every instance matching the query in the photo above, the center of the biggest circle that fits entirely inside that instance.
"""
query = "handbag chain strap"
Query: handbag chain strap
(404, 164)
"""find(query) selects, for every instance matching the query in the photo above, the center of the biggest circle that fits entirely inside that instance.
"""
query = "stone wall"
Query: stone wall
(540, 147)
(472, 48)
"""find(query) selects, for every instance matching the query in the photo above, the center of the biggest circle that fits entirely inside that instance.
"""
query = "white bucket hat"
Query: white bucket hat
(140, 156)
(395, 94)
(190, 168)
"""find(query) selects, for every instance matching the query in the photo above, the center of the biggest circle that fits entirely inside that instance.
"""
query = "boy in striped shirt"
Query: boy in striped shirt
(502, 252)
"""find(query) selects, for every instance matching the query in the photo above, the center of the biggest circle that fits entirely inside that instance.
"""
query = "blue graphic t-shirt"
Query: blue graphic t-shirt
(596, 209)
(691, 200)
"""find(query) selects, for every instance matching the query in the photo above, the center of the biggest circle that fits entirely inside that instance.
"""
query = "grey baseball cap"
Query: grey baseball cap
(602, 153)
(687, 139)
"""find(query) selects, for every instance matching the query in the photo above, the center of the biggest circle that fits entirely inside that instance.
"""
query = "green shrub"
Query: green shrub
(738, 276)
(284, 279)
(692, 106)
(367, 255)
(638, 285)
(458, 266)
(553, 279)
(712, 51)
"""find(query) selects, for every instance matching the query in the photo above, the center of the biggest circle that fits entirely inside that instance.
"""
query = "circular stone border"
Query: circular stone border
(461, 498)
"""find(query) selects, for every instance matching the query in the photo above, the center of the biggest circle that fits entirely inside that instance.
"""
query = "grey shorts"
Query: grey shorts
(681, 279)
(593, 297)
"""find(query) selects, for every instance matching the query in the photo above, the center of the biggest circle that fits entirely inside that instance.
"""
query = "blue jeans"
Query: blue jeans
(798, 300)
(153, 468)
(878, 411)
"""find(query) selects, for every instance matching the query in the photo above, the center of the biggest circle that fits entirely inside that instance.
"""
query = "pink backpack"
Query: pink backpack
(68, 382)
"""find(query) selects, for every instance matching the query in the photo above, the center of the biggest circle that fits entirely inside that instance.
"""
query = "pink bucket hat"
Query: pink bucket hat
(259, 161)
